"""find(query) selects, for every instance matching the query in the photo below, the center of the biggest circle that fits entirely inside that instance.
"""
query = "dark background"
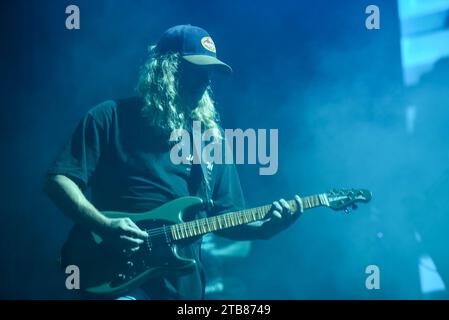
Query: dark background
(308, 68)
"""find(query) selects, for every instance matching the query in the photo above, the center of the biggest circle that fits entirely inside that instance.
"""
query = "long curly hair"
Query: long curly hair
(158, 86)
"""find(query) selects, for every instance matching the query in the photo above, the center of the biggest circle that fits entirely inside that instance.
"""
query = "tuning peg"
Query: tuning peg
(354, 207)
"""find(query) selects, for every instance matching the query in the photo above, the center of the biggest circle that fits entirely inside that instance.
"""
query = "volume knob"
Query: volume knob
(121, 276)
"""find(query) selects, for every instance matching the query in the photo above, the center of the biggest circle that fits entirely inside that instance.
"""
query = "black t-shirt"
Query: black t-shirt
(127, 166)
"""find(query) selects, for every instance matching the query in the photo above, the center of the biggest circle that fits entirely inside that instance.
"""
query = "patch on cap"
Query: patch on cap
(208, 44)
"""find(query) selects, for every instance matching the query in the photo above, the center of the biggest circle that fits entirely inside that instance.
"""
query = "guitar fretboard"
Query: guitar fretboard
(232, 219)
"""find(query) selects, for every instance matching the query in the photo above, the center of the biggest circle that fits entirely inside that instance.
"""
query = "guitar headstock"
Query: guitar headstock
(342, 199)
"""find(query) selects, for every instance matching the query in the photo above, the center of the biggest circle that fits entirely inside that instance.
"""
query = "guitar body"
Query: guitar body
(105, 271)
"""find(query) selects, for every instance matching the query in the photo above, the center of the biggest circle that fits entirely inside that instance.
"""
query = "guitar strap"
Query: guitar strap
(204, 186)
(200, 178)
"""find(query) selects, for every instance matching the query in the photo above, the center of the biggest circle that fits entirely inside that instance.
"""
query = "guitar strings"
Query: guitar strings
(308, 203)
(166, 229)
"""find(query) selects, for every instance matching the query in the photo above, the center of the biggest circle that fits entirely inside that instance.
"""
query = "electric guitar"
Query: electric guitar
(105, 272)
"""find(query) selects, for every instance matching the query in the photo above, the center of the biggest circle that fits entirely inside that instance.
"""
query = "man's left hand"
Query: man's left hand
(281, 216)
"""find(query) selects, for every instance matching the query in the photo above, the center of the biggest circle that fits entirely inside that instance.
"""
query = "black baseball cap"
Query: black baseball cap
(193, 43)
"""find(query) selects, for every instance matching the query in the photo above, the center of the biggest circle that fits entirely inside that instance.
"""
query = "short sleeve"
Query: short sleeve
(80, 155)
(227, 194)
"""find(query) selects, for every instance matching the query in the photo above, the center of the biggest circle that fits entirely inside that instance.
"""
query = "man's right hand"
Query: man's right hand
(124, 233)
(121, 232)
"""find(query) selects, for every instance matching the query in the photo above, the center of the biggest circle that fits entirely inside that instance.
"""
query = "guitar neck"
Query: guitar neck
(233, 219)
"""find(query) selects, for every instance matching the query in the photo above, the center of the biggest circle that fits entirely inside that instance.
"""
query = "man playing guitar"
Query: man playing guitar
(121, 151)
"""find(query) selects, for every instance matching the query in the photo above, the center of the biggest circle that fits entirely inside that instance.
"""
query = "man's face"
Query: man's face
(193, 81)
